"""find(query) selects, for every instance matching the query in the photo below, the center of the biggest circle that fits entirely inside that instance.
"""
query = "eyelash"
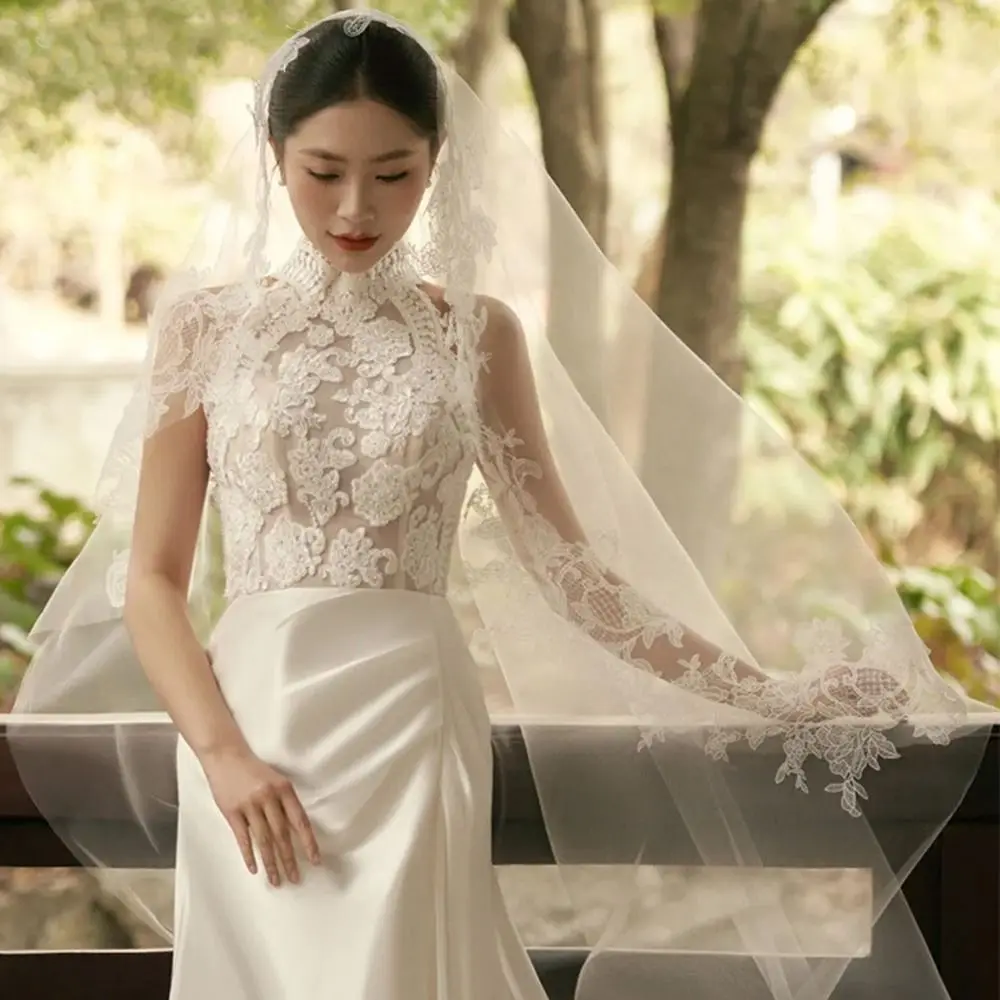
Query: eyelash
(385, 178)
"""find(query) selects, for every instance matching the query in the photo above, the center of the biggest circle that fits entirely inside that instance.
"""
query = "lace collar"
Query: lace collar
(315, 277)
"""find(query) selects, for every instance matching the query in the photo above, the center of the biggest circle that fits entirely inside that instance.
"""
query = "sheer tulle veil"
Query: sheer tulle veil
(696, 814)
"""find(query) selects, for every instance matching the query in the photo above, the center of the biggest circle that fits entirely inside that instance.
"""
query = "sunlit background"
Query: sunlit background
(863, 264)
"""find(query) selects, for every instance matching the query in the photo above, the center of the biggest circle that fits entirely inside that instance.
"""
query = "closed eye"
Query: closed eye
(385, 178)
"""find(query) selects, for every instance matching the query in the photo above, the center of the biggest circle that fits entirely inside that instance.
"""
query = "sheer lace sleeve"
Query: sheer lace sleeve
(523, 483)
(183, 355)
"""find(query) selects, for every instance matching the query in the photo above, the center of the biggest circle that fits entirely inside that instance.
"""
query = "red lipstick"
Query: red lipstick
(355, 243)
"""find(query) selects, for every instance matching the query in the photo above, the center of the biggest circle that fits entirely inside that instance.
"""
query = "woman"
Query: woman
(348, 414)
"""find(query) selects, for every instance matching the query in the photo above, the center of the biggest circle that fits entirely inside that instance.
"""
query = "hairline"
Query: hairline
(329, 155)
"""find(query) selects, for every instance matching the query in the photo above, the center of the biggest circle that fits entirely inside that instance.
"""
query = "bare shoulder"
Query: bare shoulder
(503, 336)
(501, 320)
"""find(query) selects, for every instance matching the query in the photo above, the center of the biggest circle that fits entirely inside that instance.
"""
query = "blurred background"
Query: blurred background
(806, 191)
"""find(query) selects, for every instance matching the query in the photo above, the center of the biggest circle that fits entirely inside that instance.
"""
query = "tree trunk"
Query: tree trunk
(722, 66)
(476, 48)
(701, 257)
(561, 43)
(699, 298)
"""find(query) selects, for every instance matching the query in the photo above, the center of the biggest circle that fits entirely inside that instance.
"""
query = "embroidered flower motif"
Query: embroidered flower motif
(266, 486)
(292, 552)
(422, 551)
(379, 496)
(300, 373)
(315, 464)
(352, 560)
(117, 577)
(823, 643)
(378, 347)
(330, 375)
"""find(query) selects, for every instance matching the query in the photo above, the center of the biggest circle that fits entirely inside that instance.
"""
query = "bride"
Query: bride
(382, 429)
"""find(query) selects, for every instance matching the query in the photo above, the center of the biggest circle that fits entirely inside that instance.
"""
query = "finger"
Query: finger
(260, 829)
(241, 831)
(282, 834)
(299, 820)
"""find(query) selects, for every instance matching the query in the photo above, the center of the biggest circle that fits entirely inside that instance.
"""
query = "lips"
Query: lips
(355, 242)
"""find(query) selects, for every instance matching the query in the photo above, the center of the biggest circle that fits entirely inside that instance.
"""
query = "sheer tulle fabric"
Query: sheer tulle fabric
(647, 753)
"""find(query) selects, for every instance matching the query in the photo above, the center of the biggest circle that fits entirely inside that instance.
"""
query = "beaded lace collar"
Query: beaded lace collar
(315, 277)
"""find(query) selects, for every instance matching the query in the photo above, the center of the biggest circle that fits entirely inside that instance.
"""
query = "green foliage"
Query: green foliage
(919, 74)
(37, 545)
(36, 548)
(439, 21)
(131, 57)
(883, 368)
(956, 612)
(140, 58)
(881, 363)
(926, 18)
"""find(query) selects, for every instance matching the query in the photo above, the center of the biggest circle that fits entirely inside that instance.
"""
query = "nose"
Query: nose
(355, 205)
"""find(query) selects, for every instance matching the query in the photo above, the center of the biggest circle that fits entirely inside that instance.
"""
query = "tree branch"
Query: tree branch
(593, 26)
(724, 61)
(782, 29)
(560, 43)
(675, 38)
(484, 30)
(741, 74)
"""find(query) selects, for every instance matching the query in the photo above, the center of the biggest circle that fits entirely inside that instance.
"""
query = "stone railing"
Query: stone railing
(56, 420)
(954, 893)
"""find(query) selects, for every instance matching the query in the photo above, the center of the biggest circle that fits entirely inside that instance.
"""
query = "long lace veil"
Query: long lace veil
(737, 763)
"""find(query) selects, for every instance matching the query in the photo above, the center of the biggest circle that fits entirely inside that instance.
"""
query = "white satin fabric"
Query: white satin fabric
(370, 702)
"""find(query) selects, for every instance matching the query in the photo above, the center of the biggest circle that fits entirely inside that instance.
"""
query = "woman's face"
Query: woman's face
(356, 173)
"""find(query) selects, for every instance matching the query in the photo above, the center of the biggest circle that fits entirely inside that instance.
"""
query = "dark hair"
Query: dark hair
(381, 63)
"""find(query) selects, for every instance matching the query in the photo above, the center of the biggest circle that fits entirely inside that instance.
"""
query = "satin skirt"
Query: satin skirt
(369, 701)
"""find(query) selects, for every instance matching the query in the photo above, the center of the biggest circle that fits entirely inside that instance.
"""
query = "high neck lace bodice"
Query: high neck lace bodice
(316, 278)
(336, 449)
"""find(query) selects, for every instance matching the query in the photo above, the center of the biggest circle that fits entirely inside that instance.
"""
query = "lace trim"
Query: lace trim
(313, 275)
(837, 710)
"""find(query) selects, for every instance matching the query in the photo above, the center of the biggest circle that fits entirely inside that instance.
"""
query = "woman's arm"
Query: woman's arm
(260, 804)
(172, 485)
(601, 603)
(523, 479)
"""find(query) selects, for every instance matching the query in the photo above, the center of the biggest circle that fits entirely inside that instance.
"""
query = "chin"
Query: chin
(354, 261)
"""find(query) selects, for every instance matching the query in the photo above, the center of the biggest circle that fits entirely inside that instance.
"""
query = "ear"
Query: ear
(279, 160)
(442, 138)
(435, 153)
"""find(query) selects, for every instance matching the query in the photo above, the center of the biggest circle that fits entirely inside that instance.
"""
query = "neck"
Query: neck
(315, 275)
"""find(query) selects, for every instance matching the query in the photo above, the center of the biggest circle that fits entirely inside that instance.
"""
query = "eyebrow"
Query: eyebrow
(394, 154)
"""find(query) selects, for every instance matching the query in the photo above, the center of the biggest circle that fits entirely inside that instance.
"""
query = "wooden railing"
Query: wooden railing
(954, 892)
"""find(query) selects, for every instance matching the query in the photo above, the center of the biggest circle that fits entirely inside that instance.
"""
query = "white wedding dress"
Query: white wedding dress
(339, 470)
